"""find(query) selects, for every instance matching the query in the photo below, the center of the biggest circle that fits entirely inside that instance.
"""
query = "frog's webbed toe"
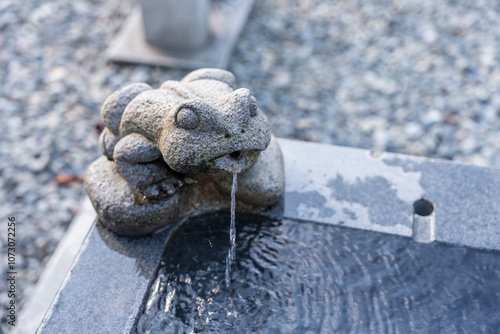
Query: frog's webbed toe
(167, 187)
(170, 187)
(152, 191)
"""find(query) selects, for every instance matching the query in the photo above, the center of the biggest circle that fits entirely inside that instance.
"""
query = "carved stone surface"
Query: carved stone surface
(170, 152)
(177, 25)
(155, 36)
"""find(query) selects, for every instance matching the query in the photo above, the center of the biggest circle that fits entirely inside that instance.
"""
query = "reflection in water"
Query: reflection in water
(292, 277)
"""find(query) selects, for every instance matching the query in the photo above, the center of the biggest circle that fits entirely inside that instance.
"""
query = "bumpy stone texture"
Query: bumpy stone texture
(167, 150)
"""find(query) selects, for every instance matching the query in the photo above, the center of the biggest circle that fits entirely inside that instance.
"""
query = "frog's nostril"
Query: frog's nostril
(235, 155)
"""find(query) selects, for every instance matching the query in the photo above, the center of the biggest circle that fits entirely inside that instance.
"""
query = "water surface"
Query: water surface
(299, 277)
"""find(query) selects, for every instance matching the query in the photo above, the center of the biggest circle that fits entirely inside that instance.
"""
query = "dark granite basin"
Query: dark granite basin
(388, 282)
(302, 277)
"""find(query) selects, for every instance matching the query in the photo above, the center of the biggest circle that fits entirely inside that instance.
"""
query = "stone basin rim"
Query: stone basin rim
(465, 198)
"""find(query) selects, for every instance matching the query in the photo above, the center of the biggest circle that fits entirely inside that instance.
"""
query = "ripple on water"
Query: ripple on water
(292, 277)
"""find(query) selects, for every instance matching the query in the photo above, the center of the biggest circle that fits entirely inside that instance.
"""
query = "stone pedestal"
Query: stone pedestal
(176, 25)
(202, 41)
(107, 286)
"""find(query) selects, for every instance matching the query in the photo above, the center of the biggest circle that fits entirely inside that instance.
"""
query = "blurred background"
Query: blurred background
(413, 77)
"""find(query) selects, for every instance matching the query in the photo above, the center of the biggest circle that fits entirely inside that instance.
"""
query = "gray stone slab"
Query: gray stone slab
(105, 289)
(351, 187)
(55, 271)
(225, 24)
(466, 200)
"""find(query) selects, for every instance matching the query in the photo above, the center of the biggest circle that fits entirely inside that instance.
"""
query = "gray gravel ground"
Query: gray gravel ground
(418, 77)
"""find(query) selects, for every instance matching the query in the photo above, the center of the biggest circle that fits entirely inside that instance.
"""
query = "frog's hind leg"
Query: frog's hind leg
(111, 114)
(140, 163)
(120, 208)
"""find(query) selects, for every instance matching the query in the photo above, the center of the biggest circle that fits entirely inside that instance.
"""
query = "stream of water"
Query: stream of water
(231, 254)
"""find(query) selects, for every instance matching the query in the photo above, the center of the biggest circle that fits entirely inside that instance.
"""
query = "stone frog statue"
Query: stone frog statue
(171, 151)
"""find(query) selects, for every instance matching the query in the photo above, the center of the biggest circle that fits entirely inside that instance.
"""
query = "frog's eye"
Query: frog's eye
(187, 118)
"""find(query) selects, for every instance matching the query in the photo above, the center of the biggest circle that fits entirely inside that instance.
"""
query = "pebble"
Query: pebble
(432, 116)
(417, 78)
(383, 85)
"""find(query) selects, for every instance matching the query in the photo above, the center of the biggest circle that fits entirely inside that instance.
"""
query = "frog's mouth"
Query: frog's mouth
(234, 162)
